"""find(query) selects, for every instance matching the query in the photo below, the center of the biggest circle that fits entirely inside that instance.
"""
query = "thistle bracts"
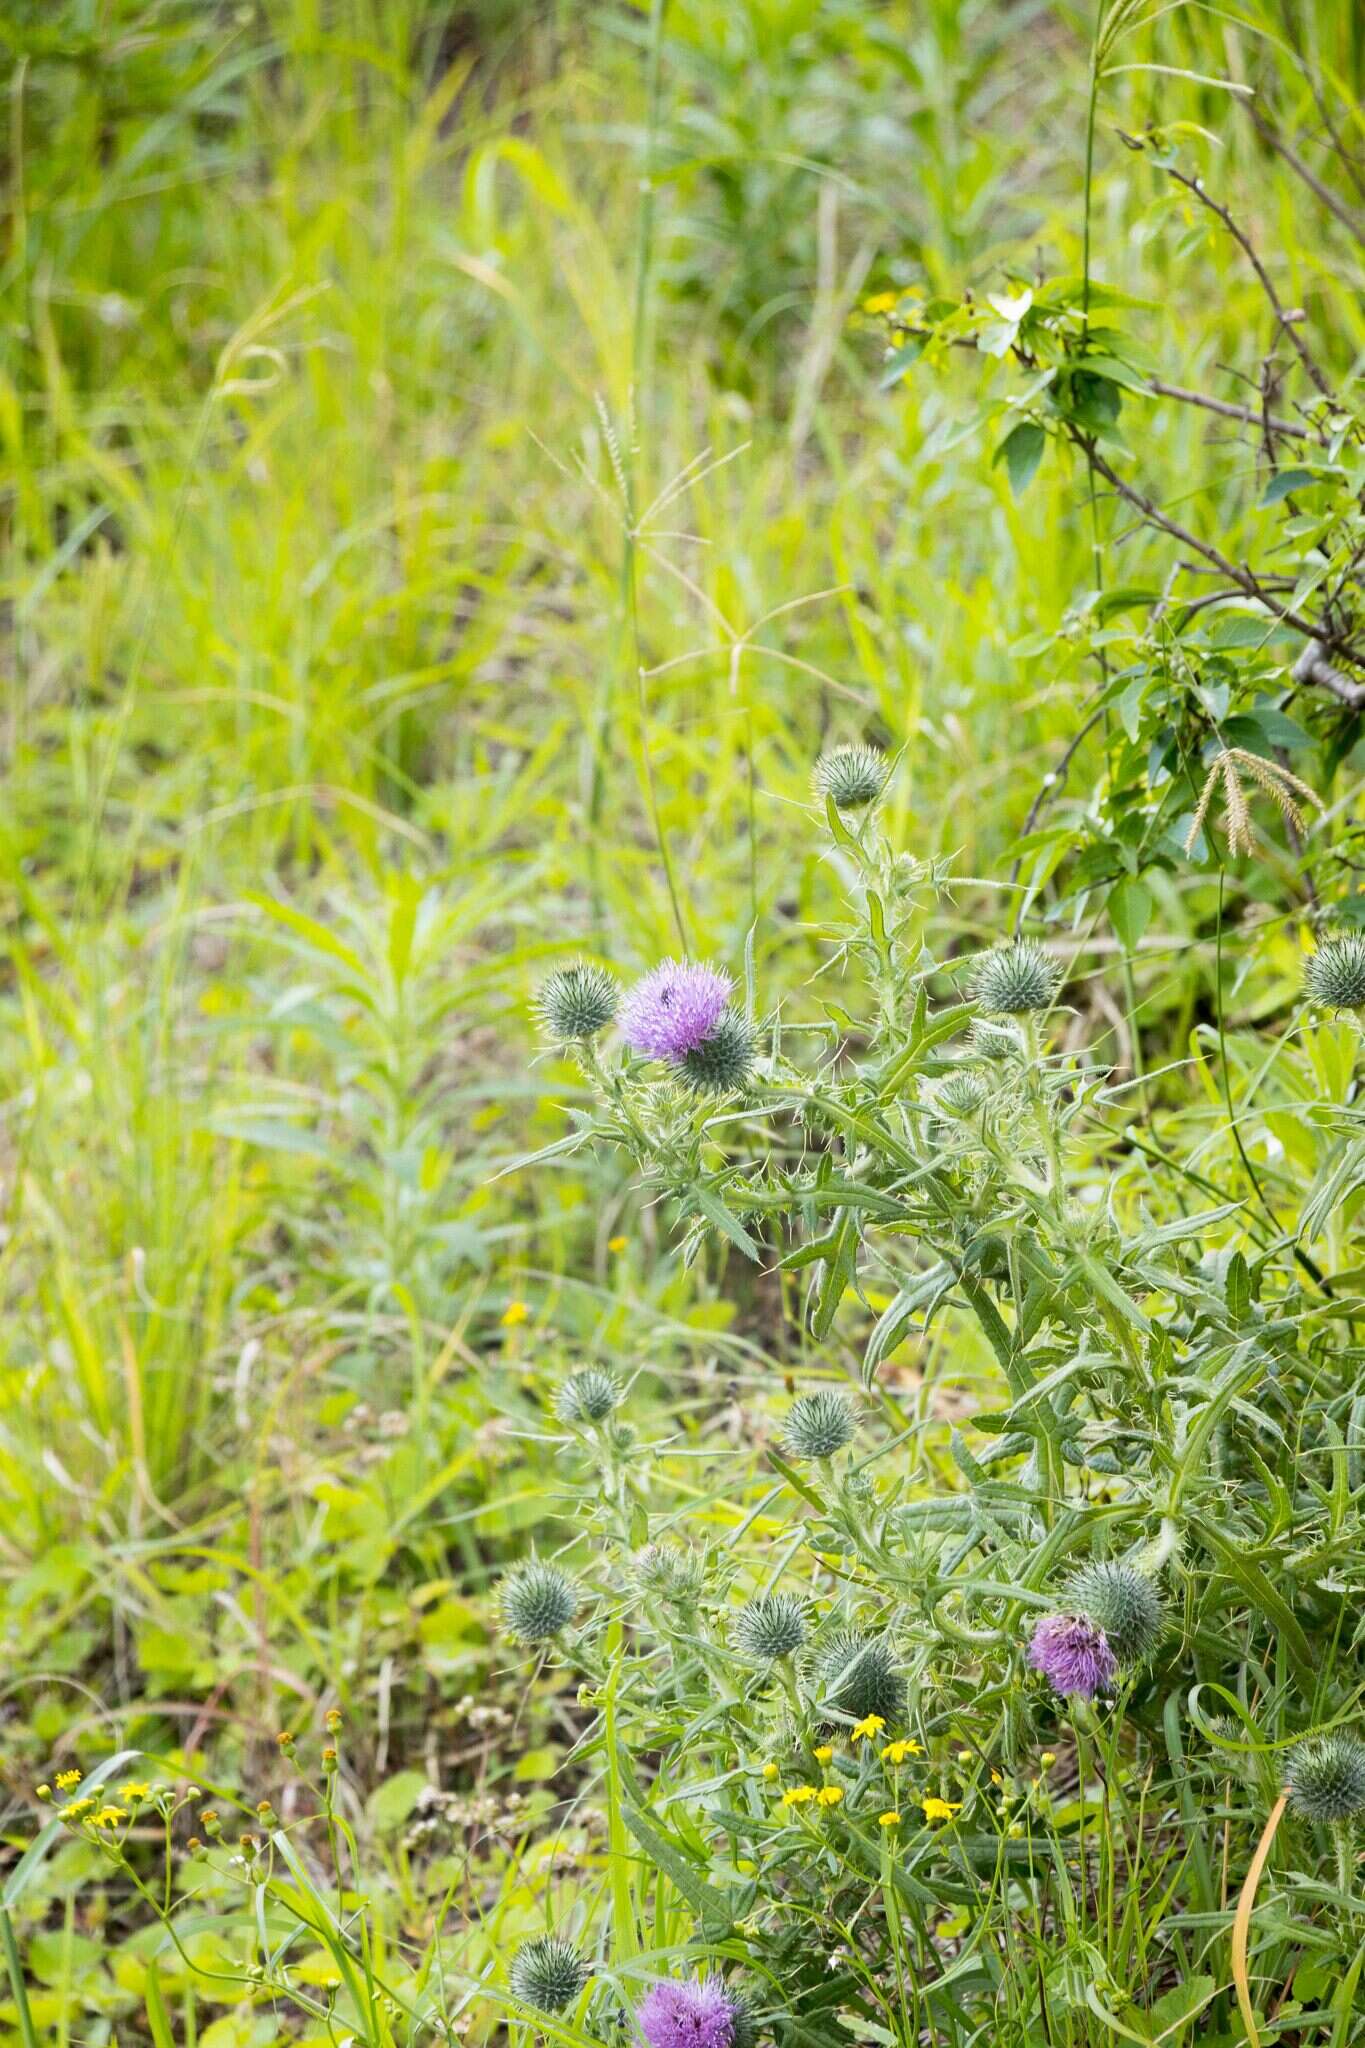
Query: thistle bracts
(547, 1973)
(576, 1003)
(1325, 1781)
(852, 776)
(819, 1425)
(537, 1601)
(854, 1674)
(771, 1626)
(1015, 980)
(1334, 976)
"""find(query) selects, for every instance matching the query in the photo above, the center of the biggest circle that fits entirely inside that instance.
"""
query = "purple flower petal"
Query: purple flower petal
(698, 2015)
(1073, 1654)
(675, 1009)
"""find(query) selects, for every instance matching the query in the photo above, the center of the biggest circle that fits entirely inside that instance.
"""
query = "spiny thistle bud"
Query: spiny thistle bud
(1335, 975)
(725, 1059)
(819, 1425)
(854, 776)
(771, 1626)
(588, 1395)
(537, 1601)
(1326, 1778)
(1124, 1603)
(576, 1003)
(1015, 979)
(855, 1674)
(547, 1973)
(670, 1573)
(961, 1094)
(745, 2025)
(994, 1041)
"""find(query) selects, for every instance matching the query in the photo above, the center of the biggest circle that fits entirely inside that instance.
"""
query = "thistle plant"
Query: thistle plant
(538, 1601)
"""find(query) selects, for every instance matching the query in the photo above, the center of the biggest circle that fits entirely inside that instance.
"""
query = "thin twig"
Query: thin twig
(1239, 235)
(1329, 198)
(1248, 414)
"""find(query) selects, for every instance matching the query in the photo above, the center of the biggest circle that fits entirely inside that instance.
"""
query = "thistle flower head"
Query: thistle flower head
(674, 1009)
(669, 1573)
(857, 1674)
(854, 776)
(1124, 1603)
(537, 1601)
(1073, 1654)
(588, 1395)
(577, 1002)
(696, 2015)
(1326, 1778)
(771, 1626)
(1015, 979)
(819, 1425)
(1334, 976)
(547, 1973)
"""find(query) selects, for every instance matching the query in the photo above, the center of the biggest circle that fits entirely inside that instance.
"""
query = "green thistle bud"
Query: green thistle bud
(772, 1626)
(576, 1003)
(537, 1601)
(547, 1973)
(856, 1674)
(668, 1572)
(1015, 979)
(994, 1041)
(588, 1395)
(723, 1061)
(819, 1425)
(745, 2031)
(961, 1094)
(1334, 976)
(1326, 1778)
(1124, 1603)
(854, 776)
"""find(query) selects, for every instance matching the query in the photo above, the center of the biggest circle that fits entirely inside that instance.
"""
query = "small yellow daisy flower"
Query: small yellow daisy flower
(108, 1817)
(872, 1725)
(514, 1313)
(829, 1795)
(66, 1779)
(798, 1795)
(770, 1770)
(880, 302)
(888, 1820)
(134, 1790)
(996, 1778)
(617, 1244)
(76, 1809)
(897, 1752)
(823, 1754)
(940, 1809)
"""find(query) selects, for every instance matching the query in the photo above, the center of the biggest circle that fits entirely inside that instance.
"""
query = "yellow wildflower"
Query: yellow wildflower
(770, 1770)
(76, 1809)
(514, 1313)
(964, 1756)
(1048, 1759)
(996, 1778)
(865, 1729)
(897, 1752)
(108, 1817)
(880, 302)
(134, 1790)
(798, 1795)
(617, 1244)
(940, 1809)
(888, 1820)
(829, 1795)
(66, 1779)
(823, 1754)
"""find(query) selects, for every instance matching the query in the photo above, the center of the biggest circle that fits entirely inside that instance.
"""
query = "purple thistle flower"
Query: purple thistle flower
(1073, 1654)
(675, 1009)
(697, 2015)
